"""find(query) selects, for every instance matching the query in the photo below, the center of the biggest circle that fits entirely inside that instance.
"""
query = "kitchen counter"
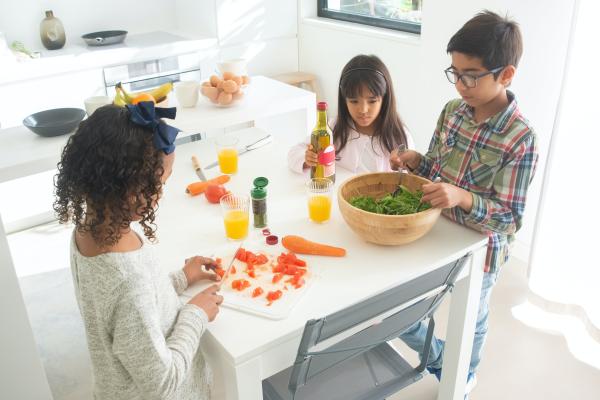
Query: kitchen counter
(24, 153)
(77, 57)
(245, 349)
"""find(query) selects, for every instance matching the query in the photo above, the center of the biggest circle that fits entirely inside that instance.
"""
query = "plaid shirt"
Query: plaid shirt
(494, 160)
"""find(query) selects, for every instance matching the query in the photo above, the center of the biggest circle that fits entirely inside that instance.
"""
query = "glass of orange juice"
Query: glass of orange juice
(319, 199)
(227, 153)
(235, 215)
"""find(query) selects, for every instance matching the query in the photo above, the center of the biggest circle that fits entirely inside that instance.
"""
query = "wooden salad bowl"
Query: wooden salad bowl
(389, 230)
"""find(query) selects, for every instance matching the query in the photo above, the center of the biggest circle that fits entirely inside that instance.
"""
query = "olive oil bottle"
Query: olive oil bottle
(322, 143)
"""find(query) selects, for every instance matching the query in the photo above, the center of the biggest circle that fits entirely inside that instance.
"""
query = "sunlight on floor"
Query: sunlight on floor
(580, 344)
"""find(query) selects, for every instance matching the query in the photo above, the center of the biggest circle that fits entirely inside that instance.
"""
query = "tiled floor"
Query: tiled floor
(519, 362)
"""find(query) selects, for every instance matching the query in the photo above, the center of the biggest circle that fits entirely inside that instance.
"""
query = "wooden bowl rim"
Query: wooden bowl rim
(341, 198)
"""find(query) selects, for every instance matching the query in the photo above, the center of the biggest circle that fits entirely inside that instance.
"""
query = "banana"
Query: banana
(128, 98)
(161, 91)
(122, 97)
(119, 101)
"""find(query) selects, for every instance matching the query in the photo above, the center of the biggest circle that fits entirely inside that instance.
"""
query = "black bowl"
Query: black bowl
(55, 122)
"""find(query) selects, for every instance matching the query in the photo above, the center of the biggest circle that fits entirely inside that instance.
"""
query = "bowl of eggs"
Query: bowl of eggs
(226, 90)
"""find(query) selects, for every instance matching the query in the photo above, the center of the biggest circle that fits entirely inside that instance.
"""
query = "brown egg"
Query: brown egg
(214, 80)
(207, 83)
(224, 98)
(230, 86)
(238, 80)
(227, 75)
(211, 92)
(245, 79)
(238, 95)
(220, 85)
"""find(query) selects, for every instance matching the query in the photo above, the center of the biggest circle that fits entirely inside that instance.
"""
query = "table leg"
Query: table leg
(22, 375)
(461, 327)
(232, 382)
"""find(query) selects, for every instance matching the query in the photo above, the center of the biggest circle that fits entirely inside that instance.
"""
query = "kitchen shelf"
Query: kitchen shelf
(78, 57)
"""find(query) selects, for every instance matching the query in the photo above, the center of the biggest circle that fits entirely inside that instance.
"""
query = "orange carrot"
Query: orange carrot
(199, 187)
(300, 245)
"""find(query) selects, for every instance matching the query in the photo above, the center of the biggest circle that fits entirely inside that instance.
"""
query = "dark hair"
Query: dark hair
(495, 40)
(109, 171)
(369, 72)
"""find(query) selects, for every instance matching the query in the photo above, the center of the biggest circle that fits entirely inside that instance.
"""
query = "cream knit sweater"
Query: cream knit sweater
(144, 344)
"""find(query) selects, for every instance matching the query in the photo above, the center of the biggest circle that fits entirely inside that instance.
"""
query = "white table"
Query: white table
(246, 349)
(23, 153)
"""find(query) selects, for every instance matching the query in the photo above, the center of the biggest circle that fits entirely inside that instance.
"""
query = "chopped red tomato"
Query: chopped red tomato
(241, 254)
(232, 270)
(218, 261)
(251, 273)
(277, 277)
(261, 259)
(240, 284)
(290, 269)
(257, 292)
(300, 263)
(272, 296)
(220, 271)
(278, 268)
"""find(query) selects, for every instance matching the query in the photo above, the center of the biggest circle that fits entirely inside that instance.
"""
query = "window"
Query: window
(402, 15)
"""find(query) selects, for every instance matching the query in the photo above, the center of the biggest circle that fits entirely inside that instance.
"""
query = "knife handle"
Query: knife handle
(195, 163)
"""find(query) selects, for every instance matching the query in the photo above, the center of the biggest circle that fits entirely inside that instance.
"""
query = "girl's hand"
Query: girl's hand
(194, 272)
(445, 195)
(310, 157)
(408, 159)
(208, 300)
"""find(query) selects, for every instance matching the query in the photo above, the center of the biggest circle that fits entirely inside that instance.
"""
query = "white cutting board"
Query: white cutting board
(243, 301)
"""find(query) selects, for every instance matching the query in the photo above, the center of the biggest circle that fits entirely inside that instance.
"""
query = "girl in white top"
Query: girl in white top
(143, 342)
(368, 127)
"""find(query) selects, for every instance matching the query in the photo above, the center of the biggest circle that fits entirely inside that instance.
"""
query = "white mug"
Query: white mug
(187, 93)
(95, 102)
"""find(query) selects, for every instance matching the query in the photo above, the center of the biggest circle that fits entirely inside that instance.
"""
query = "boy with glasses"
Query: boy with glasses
(485, 153)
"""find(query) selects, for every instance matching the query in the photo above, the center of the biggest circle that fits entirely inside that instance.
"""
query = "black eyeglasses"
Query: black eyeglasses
(468, 79)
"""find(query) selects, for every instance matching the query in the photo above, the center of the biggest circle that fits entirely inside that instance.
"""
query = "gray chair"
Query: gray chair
(345, 355)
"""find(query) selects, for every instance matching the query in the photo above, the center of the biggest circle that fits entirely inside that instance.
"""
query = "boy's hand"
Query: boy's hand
(310, 157)
(194, 272)
(208, 300)
(408, 159)
(446, 195)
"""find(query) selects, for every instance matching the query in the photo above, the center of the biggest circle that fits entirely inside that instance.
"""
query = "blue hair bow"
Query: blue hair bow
(146, 115)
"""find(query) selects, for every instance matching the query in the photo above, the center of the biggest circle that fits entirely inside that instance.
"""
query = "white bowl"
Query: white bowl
(95, 102)
(236, 66)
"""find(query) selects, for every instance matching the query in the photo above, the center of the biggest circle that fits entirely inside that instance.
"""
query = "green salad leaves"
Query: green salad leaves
(404, 202)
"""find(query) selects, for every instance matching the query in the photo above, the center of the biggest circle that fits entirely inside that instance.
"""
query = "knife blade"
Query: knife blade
(252, 146)
(226, 274)
(197, 168)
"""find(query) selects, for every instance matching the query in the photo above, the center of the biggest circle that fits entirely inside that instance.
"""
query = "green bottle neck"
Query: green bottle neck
(322, 119)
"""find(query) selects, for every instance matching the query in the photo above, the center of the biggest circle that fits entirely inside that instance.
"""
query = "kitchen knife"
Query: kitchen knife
(226, 274)
(196, 165)
(255, 145)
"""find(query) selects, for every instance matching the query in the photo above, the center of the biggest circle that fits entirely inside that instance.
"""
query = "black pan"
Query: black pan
(104, 38)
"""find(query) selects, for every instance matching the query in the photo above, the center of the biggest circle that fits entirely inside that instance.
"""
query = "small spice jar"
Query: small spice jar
(259, 201)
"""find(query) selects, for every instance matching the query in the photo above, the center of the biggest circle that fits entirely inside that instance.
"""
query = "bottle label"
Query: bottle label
(327, 156)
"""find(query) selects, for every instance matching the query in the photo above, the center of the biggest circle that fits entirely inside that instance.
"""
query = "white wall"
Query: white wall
(262, 31)
(417, 62)
(20, 20)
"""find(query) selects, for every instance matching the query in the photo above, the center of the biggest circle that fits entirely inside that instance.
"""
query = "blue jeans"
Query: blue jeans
(414, 336)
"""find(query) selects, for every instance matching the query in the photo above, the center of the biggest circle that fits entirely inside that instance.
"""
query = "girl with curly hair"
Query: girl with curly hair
(144, 344)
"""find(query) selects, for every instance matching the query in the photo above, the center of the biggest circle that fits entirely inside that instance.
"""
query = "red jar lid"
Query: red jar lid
(266, 232)
(272, 239)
